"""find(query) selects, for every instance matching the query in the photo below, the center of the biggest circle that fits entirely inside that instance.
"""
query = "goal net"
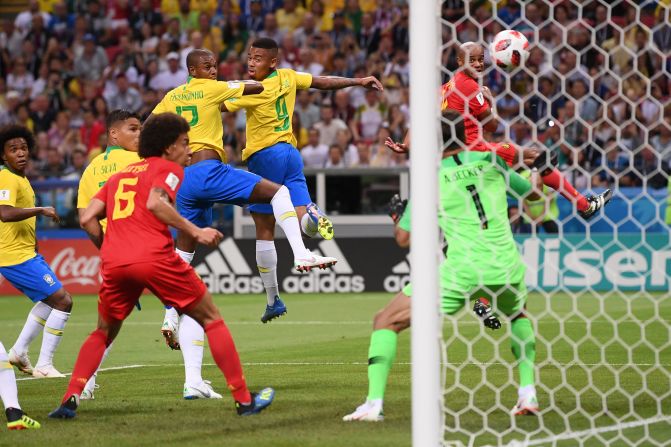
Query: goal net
(594, 91)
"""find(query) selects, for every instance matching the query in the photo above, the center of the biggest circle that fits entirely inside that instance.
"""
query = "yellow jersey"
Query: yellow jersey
(17, 239)
(199, 102)
(269, 113)
(101, 168)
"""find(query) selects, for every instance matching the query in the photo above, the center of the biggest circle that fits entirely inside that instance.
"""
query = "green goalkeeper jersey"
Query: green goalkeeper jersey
(473, 215)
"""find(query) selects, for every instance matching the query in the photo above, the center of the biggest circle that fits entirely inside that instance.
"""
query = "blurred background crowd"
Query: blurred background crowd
(595, 88)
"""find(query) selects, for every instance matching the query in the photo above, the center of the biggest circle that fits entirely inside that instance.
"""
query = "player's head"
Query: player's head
(16, 142)
(123, 129)
(262, 58)
(165, 135)
(454, 139)
(202, 64)
(471, 58)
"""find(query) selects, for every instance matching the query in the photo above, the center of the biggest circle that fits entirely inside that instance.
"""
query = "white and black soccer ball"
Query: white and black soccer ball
(509, 49)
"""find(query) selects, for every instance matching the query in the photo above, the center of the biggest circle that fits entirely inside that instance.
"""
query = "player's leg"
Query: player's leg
(266, 262)
(511, 301)
(49, 315)
(91, 386)
(16, 419)
(192, 342)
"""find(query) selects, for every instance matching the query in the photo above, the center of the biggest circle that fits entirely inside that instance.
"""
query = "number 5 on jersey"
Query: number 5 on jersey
(124, 198)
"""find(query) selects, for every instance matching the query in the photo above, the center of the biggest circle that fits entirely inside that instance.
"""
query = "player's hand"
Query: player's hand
(371, 83)
(399, 148)
(49, 211)
(488, 95)
(209, 237)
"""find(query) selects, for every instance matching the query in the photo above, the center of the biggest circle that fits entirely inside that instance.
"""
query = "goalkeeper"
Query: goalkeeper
(482, 260)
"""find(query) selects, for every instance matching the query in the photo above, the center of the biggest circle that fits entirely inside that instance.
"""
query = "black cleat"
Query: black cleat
(596, 203)
(484, 311)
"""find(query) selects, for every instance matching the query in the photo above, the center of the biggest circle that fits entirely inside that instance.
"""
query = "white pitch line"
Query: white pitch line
(590, 432)
(112, 368)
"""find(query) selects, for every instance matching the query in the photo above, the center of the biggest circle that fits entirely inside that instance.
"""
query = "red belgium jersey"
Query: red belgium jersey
(133, 233)
(462, 94)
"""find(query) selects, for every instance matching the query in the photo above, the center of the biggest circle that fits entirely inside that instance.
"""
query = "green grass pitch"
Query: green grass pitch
(315, 358)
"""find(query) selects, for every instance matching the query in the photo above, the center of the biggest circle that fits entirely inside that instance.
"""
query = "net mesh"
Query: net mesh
(595, 91)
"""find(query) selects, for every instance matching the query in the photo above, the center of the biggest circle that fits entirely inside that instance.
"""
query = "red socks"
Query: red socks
(227, 359)
(558, 182)
(88, 360)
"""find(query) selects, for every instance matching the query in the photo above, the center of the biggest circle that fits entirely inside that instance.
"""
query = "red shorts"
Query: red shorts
(171, 279)
(506, 151)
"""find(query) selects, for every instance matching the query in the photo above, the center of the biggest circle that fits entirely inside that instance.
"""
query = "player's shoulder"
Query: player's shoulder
(7, 177)
(161, 164)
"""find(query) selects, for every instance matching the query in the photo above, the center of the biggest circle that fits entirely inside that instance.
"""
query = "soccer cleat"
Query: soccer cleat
(275, 311)
(312, 261)
(67, 410)
(596, 203)
(370, 411)
(526, 406)
(259, 402)
(21, 361)
(46, 372)
(483, 310)
(17, 420)
(324, 224)
(89, 394)
(169, 331)
(203, 390)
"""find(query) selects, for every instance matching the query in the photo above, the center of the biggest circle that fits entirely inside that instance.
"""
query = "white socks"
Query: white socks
(53, 332)
(266, 261)
(185, 255)
(37, 318)
(8, 393)
(191, 342)
(91, 384)
(285, 215)
(308, 226)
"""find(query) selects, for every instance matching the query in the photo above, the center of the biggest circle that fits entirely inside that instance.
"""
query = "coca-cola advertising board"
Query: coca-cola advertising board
(76, 263)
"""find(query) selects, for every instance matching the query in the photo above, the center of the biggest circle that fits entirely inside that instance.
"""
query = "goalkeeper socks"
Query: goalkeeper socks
(523, 344)
(266, 262)
(8, 393)
(37, 318)
(381, 355)
(191, 342)
(90, 356)
(285, 215)
(308, 226)
(226, 357)
(91, 384)
(558, 182)
(53, 332)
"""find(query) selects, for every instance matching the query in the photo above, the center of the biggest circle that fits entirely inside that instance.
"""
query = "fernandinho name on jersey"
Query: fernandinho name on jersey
(186, 96)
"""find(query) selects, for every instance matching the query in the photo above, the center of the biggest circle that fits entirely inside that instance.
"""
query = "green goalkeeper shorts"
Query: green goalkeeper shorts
(508, 299)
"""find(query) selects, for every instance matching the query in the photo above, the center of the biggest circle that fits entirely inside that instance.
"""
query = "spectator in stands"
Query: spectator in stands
(188, 19)
(289, 16)
(23, 117)
(253, 19)
(270, 28)
(349, 150)
(308, 64)
(91, 130)
(24, 20)
(364, 153)
(235, 35)
(59, 128)
(342, 109)
(195, 43)
(145, 17)
(308, 111)
(53, 166)
(335, 157)
(90, 66)
(650, 169)
(306, 33)
(661, 141)
(20, 79)
(587, 105)
(61, 24)
(368, 37)
(126, 97)
(41, 114)
(328, 126)
(340, 29)
(369, 117)
(315, 153)
(170, 78)
(8, 113)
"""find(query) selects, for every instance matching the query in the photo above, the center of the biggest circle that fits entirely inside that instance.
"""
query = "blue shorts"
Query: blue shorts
(280, 163)
(34, 278)
(209, 182)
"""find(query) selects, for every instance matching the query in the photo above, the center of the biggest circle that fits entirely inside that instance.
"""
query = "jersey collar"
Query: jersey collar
(112, 148)
(272, 75)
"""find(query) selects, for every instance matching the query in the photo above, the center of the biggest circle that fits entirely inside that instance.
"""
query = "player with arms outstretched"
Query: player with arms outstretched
(271, 151)
(20, 263)
(137, 253)
(482, 261)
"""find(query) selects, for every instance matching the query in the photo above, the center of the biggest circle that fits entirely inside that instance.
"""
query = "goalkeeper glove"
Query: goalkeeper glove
(484, 311)
(396, 207)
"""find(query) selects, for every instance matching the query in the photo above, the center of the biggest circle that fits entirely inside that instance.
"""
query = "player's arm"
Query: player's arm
(336, 83)
(401, 148)
(10, 213)
(489, 121)
(159, 205)
(249, 88)
(89, 220)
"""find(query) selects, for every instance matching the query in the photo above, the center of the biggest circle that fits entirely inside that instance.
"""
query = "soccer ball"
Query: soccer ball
(509, 49)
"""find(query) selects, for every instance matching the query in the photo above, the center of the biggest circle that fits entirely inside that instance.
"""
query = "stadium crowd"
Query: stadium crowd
(601, 76)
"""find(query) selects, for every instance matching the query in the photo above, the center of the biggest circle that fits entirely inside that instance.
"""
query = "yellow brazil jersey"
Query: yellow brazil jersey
(17, 239)
(269, 113)
(199, 102)
(101, 168)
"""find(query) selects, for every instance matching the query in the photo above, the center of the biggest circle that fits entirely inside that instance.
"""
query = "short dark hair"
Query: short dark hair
(195, 55)
(265, 43)
(116, 116)
(159, 132)
(15, 131)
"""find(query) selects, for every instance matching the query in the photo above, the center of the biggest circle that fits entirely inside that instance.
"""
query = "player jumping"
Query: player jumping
(137, 253)
(482, 260)
(20, 263)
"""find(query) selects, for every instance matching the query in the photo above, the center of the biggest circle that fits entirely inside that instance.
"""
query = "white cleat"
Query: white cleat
(88, 394)
(21, 361)
(203, 390)
(314, 261)
(169, 331)
(526, 406)
(370, 411)
(46, 372)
